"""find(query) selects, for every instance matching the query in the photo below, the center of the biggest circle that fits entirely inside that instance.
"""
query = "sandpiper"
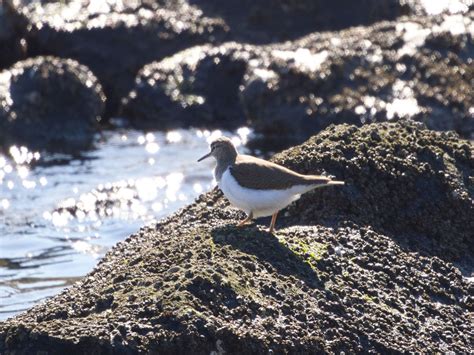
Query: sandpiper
(256, 186)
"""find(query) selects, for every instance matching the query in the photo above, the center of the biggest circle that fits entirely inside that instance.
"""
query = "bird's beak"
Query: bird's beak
(204, 157)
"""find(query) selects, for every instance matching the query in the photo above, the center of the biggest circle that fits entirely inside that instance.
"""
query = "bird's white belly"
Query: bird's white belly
(260, 203)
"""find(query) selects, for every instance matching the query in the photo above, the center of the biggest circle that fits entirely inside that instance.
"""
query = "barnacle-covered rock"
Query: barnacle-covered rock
(342, 273)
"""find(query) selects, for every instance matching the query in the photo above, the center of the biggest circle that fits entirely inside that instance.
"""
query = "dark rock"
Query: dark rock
(12, 35)
(114, 38)
(412, 183)
(364, 75)
(49, 103)
(289, 91)
(198, 87)
(263, 21)
(252, 292)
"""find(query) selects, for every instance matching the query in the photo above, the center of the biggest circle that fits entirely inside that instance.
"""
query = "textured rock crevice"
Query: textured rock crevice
(330, 280)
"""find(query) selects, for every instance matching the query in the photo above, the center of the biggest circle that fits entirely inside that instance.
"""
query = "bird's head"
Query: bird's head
(222, 149)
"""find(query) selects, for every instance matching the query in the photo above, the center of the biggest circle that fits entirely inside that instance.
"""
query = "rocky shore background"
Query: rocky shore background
(383, 90)
(288, 69)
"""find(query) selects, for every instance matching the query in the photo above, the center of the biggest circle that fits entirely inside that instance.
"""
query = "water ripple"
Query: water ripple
(60, 214)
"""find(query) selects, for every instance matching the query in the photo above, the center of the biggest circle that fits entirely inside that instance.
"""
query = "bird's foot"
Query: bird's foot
(271, 229)
(245, 221)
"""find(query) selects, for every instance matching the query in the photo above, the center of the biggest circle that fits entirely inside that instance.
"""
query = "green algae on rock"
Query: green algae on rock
(336, 277)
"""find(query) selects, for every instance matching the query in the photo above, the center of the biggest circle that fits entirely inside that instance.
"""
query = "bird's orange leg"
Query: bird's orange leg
(272, 224)
(246, 220)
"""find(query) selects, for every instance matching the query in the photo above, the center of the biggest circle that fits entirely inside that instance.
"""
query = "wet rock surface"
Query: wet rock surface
(115, 39)
(416, 68)
(49, 103)
(334, 278)
(164, 64)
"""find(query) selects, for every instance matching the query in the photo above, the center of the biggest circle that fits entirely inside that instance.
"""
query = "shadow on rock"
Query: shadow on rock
(12, 31)
(269, 250)
(266, 21)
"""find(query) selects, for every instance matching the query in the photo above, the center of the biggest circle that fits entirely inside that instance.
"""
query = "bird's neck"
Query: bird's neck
(222, 165)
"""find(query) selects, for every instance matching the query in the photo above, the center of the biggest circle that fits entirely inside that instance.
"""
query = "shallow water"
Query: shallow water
(44, 248)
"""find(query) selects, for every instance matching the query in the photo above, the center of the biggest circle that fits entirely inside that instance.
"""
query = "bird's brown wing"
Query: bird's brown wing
(259, 174)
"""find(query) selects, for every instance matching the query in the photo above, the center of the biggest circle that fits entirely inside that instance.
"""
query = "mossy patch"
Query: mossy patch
(311, 252)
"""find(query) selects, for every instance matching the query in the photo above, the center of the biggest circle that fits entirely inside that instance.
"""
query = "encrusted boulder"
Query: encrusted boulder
(413, 184)
(417, 68)
(49, 103)
(341, 273)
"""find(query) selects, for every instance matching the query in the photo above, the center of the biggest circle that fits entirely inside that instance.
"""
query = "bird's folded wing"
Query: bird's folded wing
(254, 173)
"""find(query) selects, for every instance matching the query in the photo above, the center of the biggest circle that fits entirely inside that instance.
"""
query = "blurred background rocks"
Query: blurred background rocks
(270, 65)
(50, 103)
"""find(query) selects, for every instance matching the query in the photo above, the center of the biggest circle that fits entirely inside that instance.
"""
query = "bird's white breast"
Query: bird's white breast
(260, 202)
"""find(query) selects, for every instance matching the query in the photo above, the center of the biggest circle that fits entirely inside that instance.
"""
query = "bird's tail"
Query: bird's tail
(335, 182)
(322, 180)
(316, 181)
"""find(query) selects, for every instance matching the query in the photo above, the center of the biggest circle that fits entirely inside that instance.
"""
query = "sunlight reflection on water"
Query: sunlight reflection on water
(57, 219)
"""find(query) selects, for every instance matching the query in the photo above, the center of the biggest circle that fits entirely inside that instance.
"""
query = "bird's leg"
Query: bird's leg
(272, 224)
(246, 220)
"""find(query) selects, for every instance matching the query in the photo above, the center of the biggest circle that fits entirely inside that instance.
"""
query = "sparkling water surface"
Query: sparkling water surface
(58, 216)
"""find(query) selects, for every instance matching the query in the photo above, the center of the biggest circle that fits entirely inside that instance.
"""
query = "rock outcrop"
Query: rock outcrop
(417, 68)
(49, 103)
(198, 87)
(162, 64)
(366, 267)
(116, 38)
